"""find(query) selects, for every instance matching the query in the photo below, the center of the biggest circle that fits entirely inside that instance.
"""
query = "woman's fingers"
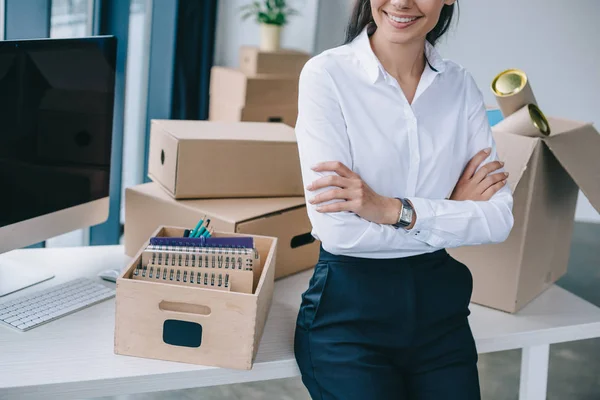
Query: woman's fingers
(327, 181)
(339, 180)
(474, 163)
(336, 207)
(492, 190)
(491, 180)
(479, 183)
(329, 195)
(334, 166)
(486, 170)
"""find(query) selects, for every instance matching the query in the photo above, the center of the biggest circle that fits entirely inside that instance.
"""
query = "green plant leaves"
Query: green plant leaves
(275, 12)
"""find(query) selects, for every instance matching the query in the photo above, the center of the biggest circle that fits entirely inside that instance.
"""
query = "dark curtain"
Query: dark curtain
(194, 48)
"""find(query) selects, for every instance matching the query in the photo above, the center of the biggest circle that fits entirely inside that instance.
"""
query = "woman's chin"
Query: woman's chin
(399, 37)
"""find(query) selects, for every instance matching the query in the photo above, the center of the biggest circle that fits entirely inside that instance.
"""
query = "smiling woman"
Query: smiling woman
(399, 164)
(363, 15)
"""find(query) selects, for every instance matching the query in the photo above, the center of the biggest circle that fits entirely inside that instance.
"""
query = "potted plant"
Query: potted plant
(271, 15)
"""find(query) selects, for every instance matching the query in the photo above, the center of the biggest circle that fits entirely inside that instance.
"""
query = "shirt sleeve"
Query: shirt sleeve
(322, 136)
(448, 223)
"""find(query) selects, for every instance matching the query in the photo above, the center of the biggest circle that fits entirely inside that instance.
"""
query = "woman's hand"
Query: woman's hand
(359, 197)
(479, 186)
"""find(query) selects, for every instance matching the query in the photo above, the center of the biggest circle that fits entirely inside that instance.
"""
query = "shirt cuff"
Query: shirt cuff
(425, 218)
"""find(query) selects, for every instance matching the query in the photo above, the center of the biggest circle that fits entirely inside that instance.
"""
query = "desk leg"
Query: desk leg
(534, 372)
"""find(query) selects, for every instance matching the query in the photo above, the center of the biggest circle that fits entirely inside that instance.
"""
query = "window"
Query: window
(136, 91)
(71, 18)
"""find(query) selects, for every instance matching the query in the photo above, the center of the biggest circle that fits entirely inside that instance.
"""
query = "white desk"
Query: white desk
(72, 358)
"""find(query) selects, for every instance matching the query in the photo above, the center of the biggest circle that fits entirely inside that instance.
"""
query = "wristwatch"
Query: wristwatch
(405, 216)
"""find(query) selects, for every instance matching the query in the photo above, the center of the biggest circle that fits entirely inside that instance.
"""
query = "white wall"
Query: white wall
(554, 41)
(232, 32)
(333, 17)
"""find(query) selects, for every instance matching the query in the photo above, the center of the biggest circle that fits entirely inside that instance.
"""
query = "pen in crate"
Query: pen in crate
(202, 235)
(201, 229)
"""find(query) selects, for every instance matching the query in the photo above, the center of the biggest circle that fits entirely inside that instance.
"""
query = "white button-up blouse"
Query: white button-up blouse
(351, 110)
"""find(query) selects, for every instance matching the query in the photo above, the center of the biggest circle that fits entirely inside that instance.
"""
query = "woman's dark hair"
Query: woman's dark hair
(362, 16)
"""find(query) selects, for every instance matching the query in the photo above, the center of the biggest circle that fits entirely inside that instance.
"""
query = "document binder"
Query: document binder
(214, 263)
(207, 257)
(235, 280)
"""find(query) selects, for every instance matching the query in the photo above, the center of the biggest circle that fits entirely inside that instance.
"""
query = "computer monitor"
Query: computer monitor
(56, 119)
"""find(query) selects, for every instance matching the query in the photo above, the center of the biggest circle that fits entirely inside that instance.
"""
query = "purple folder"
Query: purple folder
(233, 242)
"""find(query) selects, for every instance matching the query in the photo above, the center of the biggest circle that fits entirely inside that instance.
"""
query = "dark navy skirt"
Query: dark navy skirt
(386, 329)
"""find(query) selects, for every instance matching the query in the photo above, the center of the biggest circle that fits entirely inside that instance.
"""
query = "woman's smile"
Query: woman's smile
(401, 21)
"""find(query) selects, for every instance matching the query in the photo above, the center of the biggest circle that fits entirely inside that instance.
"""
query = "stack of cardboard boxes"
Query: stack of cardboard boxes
(244, 176)
(263, 89)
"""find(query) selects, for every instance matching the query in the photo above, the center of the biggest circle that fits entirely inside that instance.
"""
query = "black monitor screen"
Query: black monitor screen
(56, 116)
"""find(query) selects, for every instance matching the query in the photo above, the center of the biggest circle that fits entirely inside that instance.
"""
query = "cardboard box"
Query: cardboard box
(148, 206)
(545, 174)
(253, 61)
(225, 327)
(201, 159)
(287, 114)
(233, 87)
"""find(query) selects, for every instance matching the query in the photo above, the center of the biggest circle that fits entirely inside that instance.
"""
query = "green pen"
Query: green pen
(200, 232)
(195, 230)
(203, 229)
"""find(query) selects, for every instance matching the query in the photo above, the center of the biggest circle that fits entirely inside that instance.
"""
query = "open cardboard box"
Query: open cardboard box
(545, 175)
(209, 327)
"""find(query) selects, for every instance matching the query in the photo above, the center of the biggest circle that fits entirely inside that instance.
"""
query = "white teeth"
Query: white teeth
(402, 20)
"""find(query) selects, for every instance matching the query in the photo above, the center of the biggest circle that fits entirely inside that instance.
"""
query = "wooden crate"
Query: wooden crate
(194, 325)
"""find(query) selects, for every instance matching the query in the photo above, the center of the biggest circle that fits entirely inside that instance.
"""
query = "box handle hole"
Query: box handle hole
(275, 119)
(184, 308)
(302, 240)
(182, 333)
(162, 157)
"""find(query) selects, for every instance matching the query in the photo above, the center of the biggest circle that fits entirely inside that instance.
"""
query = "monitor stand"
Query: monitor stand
(16, 276)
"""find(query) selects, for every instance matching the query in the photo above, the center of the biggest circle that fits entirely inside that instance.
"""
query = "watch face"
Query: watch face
(406, 215)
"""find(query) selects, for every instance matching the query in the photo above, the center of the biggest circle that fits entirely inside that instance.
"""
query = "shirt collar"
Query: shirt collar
(362, 48)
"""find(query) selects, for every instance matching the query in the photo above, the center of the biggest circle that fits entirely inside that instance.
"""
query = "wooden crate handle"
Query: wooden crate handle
(186, 308)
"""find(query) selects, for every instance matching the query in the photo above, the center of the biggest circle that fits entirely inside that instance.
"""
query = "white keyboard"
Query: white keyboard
(30, 311)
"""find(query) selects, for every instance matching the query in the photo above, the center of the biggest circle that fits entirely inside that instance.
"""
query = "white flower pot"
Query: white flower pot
(270, 37)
